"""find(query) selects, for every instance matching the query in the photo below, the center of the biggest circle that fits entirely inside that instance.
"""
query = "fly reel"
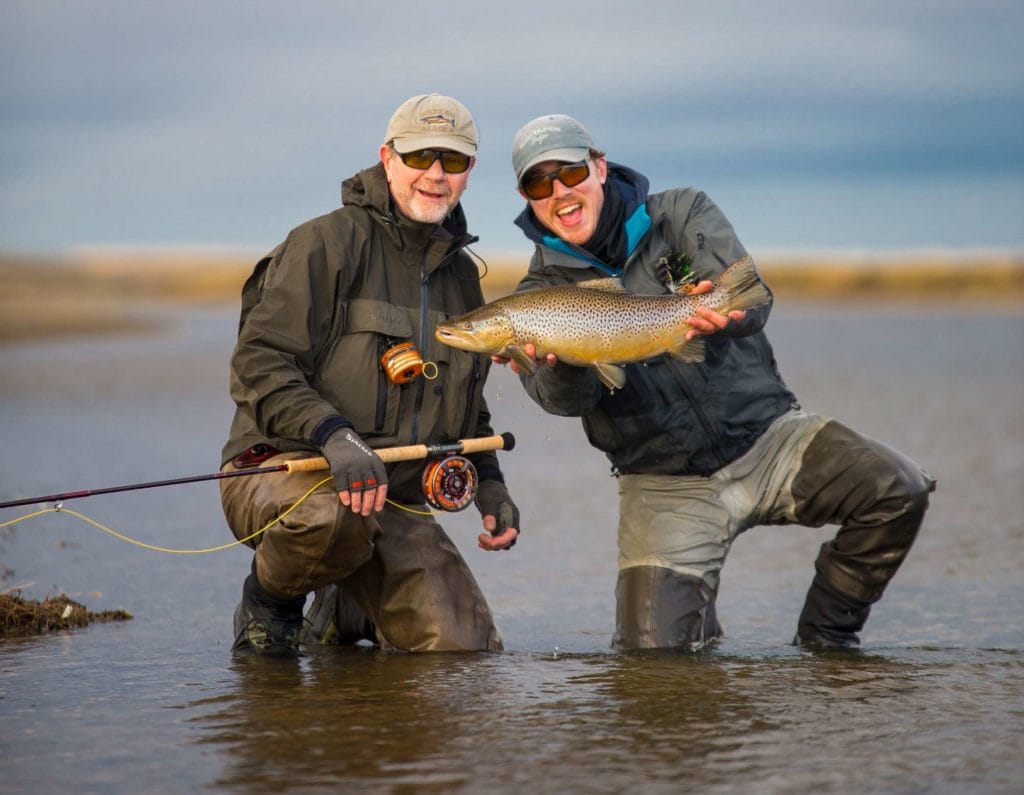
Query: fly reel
(450, 483)
(402, 363)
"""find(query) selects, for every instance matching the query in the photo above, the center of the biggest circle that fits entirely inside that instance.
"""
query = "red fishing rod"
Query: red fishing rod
(448, 481)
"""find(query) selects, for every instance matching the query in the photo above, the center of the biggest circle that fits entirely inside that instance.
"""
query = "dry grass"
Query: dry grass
(111, 292)
(20, 617)
(94, 294)
(991, 278)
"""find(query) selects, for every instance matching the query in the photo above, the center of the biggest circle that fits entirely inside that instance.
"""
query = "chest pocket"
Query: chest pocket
(351, 375)
(457, 389)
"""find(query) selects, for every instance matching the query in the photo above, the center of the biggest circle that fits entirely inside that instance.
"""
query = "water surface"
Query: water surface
(934, 701)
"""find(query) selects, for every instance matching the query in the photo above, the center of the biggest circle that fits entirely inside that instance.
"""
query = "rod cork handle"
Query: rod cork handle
(504, 441)
(306, 465)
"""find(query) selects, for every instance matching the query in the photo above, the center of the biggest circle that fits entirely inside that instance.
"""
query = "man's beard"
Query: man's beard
(432, 213)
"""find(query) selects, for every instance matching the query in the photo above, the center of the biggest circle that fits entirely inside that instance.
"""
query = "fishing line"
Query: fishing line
(135, 542)
(127, 539)
(449, 484)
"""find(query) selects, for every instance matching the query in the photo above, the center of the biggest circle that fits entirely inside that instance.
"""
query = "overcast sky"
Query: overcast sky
(871, 124)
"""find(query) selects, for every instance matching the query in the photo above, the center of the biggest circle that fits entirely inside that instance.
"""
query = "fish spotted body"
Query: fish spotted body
(598, 323)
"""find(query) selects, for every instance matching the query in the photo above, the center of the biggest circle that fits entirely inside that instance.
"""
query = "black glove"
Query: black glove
(354, 465)
(492, 499)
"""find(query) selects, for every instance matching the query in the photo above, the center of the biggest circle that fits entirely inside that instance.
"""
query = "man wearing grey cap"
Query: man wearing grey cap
(325, 318)
(701, 451)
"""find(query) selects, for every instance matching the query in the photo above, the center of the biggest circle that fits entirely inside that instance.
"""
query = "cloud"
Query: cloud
(227, 121)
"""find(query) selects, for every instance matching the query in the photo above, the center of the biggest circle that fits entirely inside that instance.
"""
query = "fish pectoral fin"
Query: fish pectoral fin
(611, 375)
(690, 351)
(609, 284)
(526, 363)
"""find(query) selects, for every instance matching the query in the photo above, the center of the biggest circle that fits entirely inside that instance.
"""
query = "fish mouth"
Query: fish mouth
(456, 338)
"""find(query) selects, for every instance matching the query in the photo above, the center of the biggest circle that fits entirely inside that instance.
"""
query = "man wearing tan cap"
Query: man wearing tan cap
(312, 374)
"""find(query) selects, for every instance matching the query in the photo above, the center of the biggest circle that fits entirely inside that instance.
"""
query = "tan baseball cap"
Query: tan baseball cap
(432, 120)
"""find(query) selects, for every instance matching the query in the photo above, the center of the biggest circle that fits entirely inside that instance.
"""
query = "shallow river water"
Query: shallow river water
(933, 702)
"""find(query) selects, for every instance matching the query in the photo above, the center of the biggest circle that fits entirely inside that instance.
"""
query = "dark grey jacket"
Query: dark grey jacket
(321, 309)
(671, 417)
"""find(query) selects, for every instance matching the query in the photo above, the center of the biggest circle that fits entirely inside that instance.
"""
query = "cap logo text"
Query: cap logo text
(438, 122)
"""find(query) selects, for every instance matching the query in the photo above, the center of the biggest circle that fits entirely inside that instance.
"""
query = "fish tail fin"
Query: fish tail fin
(743, 287)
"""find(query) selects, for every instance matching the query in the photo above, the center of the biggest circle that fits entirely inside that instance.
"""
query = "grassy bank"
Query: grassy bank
(110, 293)
(20, 616)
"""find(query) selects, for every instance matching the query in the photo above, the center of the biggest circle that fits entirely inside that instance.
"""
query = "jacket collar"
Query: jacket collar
(369, 189)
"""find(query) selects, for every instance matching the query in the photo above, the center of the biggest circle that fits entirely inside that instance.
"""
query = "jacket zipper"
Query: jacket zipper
(702, 418)
(470, 391)
(424, 317)
(421, 382)
(382, 389)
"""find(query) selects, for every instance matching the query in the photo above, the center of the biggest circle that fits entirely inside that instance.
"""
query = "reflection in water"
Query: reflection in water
(933, 703)
(651, 722)
(351, 715)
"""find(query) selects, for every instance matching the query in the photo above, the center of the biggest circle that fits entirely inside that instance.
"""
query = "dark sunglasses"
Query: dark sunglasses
(422, 159)
(540, 186)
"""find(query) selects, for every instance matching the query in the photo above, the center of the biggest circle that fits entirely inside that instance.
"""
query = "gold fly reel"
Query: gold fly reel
(402, 363)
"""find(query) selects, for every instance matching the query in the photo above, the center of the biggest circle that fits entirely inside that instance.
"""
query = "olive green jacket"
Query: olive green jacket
(320, 310)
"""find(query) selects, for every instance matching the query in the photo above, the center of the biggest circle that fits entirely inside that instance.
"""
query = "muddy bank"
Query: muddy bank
(20, 617)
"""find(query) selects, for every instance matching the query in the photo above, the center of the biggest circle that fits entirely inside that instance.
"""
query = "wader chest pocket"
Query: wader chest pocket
(352, 376)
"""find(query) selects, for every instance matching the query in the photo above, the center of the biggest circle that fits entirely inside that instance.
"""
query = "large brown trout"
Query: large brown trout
(598, 323)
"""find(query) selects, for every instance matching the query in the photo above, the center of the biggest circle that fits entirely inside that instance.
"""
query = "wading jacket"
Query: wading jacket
(670, 418)
(321, 309)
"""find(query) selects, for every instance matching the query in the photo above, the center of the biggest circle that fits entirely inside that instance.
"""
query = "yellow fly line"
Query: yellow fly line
(154, 548)
(504, 441)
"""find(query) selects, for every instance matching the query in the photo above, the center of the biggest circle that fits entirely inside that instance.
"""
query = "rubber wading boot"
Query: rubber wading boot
(334, 619)
(266, 625)
(830, 619)
(657, 608)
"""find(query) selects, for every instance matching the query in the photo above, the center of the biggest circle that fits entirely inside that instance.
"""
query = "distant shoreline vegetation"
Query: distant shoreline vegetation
(109, 291)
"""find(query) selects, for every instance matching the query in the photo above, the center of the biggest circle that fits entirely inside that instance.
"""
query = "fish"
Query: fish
(600, 324)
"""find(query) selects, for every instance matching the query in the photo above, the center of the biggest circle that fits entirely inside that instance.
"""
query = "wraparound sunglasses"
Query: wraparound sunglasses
(540, 186)
(422, 159)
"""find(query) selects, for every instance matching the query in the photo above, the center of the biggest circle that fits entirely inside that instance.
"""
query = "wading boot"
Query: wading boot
(830, 620)
(335, 619)
(266, 625)
(657, 608)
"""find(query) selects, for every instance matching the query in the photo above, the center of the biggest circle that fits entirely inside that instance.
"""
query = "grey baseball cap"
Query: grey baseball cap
(432, 120)
(554, 137)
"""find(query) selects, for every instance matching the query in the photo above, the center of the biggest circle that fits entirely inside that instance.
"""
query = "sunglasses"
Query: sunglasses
(540, 186)
(422, 159)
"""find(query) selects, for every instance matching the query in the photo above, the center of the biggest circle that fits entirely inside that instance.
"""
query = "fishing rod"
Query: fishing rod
(448, 481)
